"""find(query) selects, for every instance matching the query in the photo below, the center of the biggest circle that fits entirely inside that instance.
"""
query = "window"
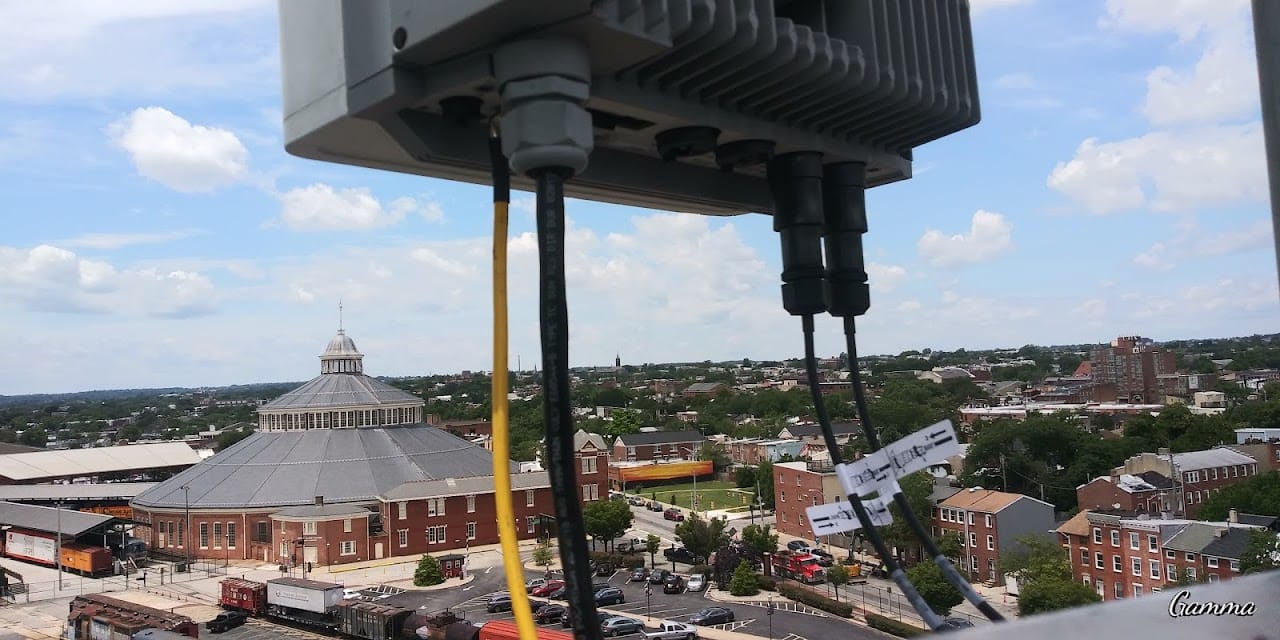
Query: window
(1136, 566)
(1213, 577)
(1115, 564)
(1211, 562)
(1235, 471)
(1119, 589)
(1115, 537)
(346, 525)
(1155, 569)
(589, 464)
(988, 520)
(435, 507)
(1084, 556)
(973, 540)
(991, 543)
(1098, 562)
(283, 527)
(348, 548)
(631, 453)
(971, 518)
(1191, 557)
(1168, 553)
(1213, 473)
(1191, 573)
(1097, 535)
(973, 563)
(1137, 590)
(204, 535)
(783, 495)
(263, 532)
(403, 537)
(590, 492)
(1153, 544)
(797, 479)
(309, 528)
(1133, 541)
(1087, 581)
(217, 535)
(471, 503)
(402, 510)
(436, 535)
(1170, 572)
(1235, 566)
(231, 535)
(531, 524)
(471, 531)
(528, 497)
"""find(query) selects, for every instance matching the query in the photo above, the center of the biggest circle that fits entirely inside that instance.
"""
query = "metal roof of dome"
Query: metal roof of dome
(341, 345)
(337, 390)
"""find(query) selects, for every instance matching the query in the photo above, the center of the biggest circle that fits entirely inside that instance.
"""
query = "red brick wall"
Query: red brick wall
(1199, 485)
(791, 500)
(189, 546)
(974, 537)
(455, 521)
(1127, 554)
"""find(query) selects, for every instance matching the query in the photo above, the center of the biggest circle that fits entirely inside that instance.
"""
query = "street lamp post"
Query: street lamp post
(769, 613)
(648, 591)
(186, 547)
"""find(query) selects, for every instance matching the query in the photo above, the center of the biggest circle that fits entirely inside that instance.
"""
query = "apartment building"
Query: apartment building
(753, 451)
(798, 486)
(989, 523)
(1133, 364)
(1196, 474)
(1146, 492)
(593, 465)
(657, 445)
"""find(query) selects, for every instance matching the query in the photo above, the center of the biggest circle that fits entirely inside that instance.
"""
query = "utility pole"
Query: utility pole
(1004, 475)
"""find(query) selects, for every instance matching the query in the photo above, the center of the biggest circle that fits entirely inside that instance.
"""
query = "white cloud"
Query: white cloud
(884, 278)
(1166, 171)
(52, 279)
(1093, 308)
(989, 236)
(1223, 85)
(1019, 80)
(320, 207)
(1252, 238)
(1154, 258)
(108, 241)
(433, 259)
(56, 48)
(977, 7)
(169, 150)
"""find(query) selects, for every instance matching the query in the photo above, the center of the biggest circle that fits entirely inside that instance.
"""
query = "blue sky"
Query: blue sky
(156, 234)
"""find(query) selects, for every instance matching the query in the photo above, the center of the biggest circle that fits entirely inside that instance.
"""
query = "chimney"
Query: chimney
(1233, 516)
(319, 501)
(1163, 452)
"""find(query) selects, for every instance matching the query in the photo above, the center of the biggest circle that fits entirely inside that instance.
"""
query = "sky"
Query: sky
(156, 234)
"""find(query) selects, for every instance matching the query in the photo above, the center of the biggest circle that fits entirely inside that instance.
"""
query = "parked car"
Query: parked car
(600, 586)
(673, 514)
(654, 506)
(549, 613)
(711, 615)
(610, 596)
(620, 626)
(636, 501)
(550, 587)
(639, 574)
(566, 619)
(672, 630)
(498, 602)
(226, 621)
(605, 569)
(533, 584)
(634, 545)
(560, 594)
(824, 559)
(681, 554)
(658, 576)
(696, 583)
(798, 546)
(957, 623)
(673, 584)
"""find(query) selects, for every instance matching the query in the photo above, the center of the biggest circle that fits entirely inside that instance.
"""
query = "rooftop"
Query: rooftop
(985, 500)
(37, 518)
(68, 463)
(341, 390)
(659, 437)
(812, 430)
(285, 468)
(1209, 458)
(96, 491)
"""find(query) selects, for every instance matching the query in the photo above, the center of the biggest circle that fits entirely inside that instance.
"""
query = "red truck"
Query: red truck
(804, 567)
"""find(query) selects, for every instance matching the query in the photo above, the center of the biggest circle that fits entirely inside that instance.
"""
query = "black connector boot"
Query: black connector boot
(844, 199)
(796, 182)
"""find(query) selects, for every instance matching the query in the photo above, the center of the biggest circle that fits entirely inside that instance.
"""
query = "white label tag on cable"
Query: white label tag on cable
(839, 517)
(878, 472)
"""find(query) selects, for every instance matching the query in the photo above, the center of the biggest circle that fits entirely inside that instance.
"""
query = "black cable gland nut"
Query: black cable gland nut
(796, 182)
(846, 292)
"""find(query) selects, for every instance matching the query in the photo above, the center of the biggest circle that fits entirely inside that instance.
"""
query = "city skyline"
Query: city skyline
(159, 236)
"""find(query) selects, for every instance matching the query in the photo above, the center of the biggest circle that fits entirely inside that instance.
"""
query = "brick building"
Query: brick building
(328, 494)
(798, 486)
(1260, 444)
(1147, 492)
(657, 445)
(1133, 364)
(1195, 474)
(753, 451)
(1123, 555)
(989, 523)
(593, 466)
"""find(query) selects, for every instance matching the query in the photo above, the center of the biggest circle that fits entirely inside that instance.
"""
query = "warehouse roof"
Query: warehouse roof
(286, 468)
(85, 462)
(37, 518)
(99, 491)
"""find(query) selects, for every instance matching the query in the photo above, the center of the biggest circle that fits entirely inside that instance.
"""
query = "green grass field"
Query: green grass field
(713, 494)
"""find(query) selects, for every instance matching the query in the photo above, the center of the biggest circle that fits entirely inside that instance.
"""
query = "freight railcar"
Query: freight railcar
(99, 617)
(244, 595)
(308, 602)
(42, 548)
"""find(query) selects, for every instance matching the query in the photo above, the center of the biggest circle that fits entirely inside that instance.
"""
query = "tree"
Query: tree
(759, 540)
(934, 588)
(34, 437)
(745, 478)
(1259, 495)
(7, 434)
(1263, 552)
(1043, 571)
(428, 572)
(605, 520)
(624, 421)
(744, 582)
(951, 546)
(542, 556)
(230, 437)
(764, 480)
(651, 544)
(719, 458)
(701, 537)
(838, 576)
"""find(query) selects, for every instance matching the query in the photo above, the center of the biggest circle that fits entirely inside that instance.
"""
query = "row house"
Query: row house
(1196, 475)
(1146, 492)
(754, 451)
(812, 433)
(990, 523)
(1123, 555)
(592, 465)
(657, 445)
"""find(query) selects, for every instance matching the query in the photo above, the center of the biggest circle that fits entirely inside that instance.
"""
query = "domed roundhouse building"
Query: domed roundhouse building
(341, 469)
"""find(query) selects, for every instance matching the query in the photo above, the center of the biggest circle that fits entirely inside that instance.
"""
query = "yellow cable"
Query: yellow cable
(501, 433)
